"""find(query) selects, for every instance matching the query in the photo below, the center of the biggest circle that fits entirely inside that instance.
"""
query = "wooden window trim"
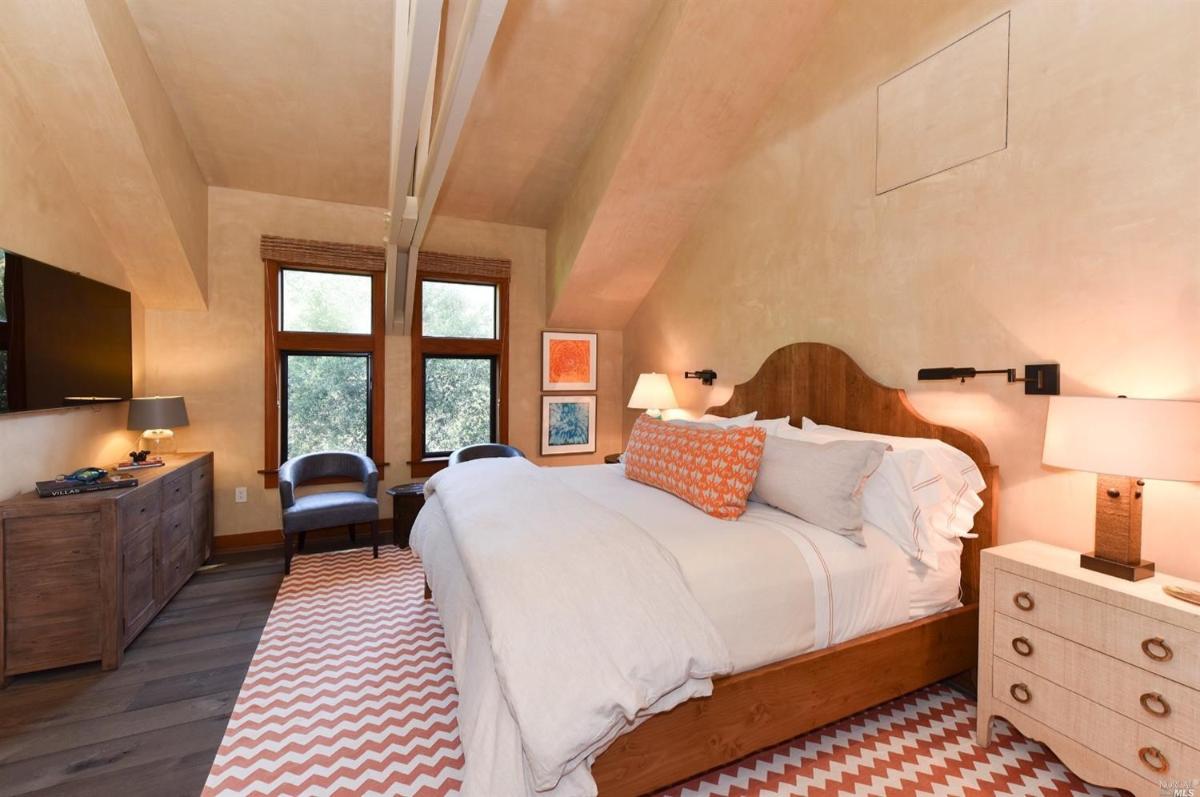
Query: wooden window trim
(278, 342)
(492, 274)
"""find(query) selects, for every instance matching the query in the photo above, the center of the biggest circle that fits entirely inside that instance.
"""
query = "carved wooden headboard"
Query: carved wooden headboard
(821, 382)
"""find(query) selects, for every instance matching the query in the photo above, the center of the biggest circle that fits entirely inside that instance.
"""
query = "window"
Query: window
(459, 357)
(324, 387)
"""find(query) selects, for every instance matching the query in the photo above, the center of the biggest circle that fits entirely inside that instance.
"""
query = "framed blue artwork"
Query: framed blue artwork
(568, 425)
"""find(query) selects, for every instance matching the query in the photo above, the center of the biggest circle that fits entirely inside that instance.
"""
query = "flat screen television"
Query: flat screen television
(65, 340)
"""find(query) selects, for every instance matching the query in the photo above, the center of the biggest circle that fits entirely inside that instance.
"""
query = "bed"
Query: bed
(878, 626)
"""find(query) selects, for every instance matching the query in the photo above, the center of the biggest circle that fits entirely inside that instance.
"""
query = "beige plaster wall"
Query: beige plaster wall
(1079, 243)
(42, 215)
(214, 358)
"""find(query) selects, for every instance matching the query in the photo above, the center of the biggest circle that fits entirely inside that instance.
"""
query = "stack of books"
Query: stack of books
(57, 487)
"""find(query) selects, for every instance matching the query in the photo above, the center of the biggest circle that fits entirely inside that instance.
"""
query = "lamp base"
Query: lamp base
(1134, 572)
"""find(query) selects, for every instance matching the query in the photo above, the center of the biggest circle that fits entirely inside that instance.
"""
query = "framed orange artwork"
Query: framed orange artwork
(568, 360)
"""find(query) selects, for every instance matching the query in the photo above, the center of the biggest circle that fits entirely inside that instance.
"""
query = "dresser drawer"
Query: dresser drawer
(141, 504)
(178, 567)
(1031, 648)
(1156, 702)
(1150, 644)
(1129, 744)
(177, 488)
(176, 528)
(202, 476)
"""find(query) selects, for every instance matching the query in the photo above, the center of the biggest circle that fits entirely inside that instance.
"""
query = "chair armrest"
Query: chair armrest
(287, 486)
(369, 477)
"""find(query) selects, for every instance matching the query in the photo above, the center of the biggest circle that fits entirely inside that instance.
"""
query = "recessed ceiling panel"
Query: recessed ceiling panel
(948, 109)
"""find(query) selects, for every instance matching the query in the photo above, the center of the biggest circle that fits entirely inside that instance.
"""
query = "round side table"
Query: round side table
(407, 500)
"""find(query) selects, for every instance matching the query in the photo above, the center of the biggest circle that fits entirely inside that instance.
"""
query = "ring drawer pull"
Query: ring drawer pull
(1023, 601)
(1157, 649)
(1153, 758)
(1022, 646)
(1020, 693)
(1155, 704)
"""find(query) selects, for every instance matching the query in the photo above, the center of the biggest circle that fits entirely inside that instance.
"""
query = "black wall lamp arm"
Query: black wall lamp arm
(1039, 380)
(706, 377)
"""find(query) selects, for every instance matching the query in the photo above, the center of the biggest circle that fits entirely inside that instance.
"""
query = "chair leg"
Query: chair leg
(375, 537)
(289, 544)
(300, 542)
(351, 532)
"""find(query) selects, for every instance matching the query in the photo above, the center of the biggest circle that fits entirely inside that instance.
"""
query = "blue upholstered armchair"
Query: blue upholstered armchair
(322, 510)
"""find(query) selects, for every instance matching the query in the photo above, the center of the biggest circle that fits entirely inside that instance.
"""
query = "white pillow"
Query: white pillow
(907, 499)
(954, 465)
(819, 482)
(773, 425)
(728, 423)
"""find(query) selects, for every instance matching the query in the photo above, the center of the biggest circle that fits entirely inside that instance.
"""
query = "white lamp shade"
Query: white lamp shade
(1142, 438)
(653, 392)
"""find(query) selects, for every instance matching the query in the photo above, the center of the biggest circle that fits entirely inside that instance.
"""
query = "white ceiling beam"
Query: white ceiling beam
(423, 145)
(480, 23)
(414, 54)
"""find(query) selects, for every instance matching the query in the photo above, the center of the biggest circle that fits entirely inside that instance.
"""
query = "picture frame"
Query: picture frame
(569, 361)
(568, 425)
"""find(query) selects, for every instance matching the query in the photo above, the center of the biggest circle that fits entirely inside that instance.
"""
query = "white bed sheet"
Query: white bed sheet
(740, 571)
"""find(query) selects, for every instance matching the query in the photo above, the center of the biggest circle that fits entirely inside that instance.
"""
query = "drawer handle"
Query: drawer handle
(1022, 646)
(1023, 601)
(1155, 704)
(1153, 758)
(1020, 693)
(1157, 649)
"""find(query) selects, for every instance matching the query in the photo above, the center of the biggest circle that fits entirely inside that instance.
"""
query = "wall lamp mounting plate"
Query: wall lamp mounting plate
(706, 377)
(1040, 380)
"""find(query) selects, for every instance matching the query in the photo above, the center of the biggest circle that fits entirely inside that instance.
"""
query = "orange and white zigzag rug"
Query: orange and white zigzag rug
(351, 692)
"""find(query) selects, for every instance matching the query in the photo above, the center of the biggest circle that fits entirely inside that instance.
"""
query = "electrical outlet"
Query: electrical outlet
(239, 495)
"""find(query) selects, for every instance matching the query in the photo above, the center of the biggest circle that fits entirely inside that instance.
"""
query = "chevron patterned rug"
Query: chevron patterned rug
(351, 693)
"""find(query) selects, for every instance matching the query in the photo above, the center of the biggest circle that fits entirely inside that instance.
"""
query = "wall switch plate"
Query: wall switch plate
(239, 495)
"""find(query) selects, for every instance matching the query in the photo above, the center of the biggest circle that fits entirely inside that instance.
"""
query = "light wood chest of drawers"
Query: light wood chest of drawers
(1105, 672)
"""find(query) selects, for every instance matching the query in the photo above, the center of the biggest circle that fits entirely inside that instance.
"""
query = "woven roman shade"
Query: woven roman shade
(463, 265)
(301, 252)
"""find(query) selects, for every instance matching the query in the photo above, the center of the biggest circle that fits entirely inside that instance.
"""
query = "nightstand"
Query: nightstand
(1105, 672)
(407, 500)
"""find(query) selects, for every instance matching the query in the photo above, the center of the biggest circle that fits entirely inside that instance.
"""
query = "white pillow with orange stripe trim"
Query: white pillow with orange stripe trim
(908, 498)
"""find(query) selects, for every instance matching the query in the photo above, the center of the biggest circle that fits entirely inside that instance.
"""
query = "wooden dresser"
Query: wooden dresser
(1105, 672)
(82, 575)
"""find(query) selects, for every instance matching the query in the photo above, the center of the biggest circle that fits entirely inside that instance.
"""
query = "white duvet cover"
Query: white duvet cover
(772, 585)
(590, 623)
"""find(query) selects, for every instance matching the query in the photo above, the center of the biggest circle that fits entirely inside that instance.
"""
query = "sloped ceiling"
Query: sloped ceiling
(553, 73)
(285, 98)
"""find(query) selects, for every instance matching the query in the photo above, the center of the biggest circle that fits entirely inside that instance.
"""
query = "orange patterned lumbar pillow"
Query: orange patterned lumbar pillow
(711, 469)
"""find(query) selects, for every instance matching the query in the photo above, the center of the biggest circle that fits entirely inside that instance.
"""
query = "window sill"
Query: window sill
(428, 467)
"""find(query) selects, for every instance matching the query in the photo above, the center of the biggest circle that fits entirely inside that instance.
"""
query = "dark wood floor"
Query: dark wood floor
(153, 726)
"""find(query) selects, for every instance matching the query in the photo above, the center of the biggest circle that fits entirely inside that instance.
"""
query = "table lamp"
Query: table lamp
(653, 394)
(1123, 440)
(156, 416)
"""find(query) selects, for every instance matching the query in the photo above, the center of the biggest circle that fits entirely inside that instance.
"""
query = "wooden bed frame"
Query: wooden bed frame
(763, 707)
